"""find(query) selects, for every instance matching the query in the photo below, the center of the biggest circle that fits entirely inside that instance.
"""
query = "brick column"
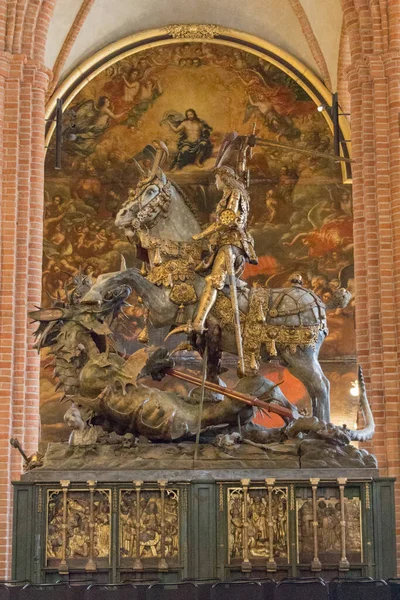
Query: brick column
(374, 84)
(23, 86)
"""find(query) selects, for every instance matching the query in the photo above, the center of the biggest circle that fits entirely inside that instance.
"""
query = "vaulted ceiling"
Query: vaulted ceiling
(310, 30)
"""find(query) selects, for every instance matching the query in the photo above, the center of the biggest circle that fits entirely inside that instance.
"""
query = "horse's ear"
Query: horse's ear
(139, 167)
(161, 175)
(164, 147)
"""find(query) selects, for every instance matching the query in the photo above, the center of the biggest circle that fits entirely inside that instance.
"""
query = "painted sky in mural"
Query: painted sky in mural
(190, 95)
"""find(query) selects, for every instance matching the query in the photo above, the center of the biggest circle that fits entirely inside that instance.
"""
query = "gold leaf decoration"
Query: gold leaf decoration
(194, 31)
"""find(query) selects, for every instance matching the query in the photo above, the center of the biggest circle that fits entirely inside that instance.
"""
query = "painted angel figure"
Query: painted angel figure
(140, 91)
(194, 145)
(86, 122)
(281, 124)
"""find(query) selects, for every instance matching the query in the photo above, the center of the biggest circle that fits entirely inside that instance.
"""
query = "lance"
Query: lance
(235, 395)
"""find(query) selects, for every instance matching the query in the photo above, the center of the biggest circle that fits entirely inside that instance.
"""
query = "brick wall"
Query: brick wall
(373, 77)
(23, 84)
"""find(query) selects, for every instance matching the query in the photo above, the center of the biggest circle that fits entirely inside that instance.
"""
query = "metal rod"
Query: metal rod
(203, 388)
(59, 117)
(335, 123)
(261, 142)
(229, 258)
(279, 410)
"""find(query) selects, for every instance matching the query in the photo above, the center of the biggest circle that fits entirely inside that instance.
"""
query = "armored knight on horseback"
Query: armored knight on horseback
(231, 245)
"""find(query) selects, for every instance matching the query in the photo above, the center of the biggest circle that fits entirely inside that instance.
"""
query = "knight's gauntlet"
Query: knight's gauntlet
(213, 228)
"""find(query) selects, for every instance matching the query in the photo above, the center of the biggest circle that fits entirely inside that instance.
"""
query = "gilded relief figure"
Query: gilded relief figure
(305, 526)
(78, 513)
(127, 524)
(102, 525)
(258, 531)
(279, 520)
(235, 524)
(258, 524)
(150, 529)
(328, 516)
(171, 524)
(54, 527)
(353, 530)
(329, 529)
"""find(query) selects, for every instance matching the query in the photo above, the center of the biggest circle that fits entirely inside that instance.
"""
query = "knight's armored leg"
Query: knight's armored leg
(207, 299)
(214, 282)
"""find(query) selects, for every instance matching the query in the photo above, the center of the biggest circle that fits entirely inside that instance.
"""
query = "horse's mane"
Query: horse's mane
(191, 206)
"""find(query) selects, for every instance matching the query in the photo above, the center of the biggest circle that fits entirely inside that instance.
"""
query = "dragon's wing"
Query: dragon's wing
(136, 363)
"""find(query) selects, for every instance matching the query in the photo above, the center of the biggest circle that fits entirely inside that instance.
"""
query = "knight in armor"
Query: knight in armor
(229, 241)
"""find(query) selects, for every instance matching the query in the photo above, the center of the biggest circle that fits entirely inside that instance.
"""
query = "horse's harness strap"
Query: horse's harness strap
(274, 311)
(160, 202)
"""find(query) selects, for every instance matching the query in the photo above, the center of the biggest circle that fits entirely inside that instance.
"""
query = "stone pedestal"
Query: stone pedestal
(200, 522)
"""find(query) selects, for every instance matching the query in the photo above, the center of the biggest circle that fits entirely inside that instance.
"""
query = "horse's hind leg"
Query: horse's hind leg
(304, 365)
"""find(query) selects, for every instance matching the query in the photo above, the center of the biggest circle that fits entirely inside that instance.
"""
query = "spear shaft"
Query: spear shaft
(247, 399)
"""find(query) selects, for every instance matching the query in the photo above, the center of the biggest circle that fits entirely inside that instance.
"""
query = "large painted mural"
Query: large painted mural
(189, 95)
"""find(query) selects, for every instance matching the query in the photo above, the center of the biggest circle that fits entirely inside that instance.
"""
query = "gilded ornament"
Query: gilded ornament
(292, 498)
(321, 524)
(171, 271)
(149, 524)
(169, 249)
(258, 519)
(183, 294)
(223, 311)
(194, 31)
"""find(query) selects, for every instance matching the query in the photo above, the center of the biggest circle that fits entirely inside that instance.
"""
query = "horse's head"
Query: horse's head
(149, 201)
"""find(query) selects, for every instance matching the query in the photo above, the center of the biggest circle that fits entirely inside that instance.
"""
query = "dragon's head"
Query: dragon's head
(90, 310)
